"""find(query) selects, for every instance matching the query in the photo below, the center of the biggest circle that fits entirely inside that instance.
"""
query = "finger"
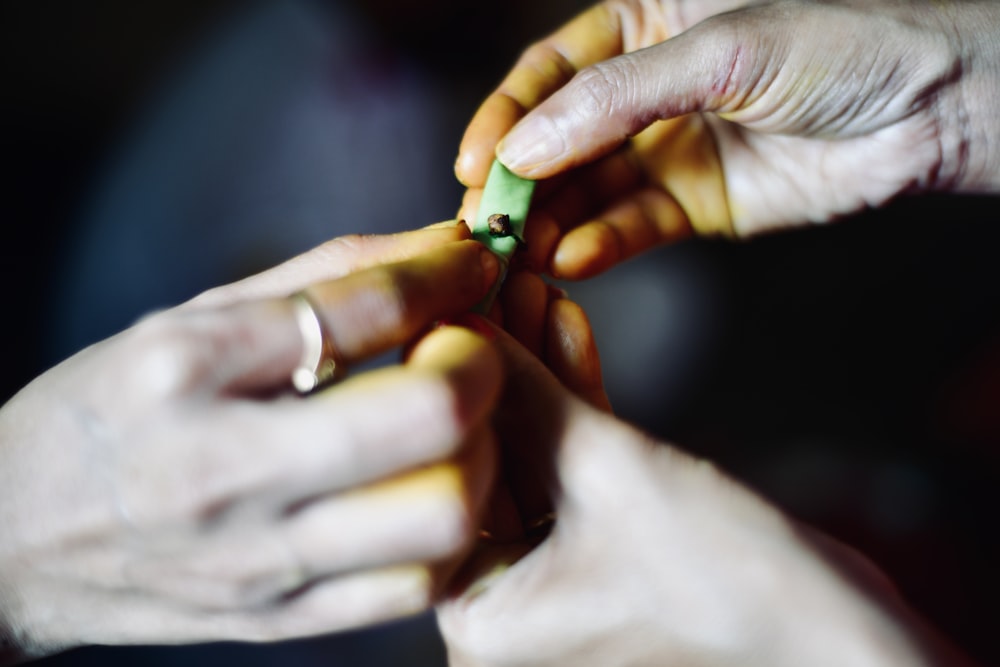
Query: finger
(602, 216)
(369, 427)
(470, 203)
(370, 311)
(385, 422)
(571, 352)
(541, 70)
(567, 202)
(257, 345)
(427, 515)
(707, 68)
(525, 299)
(333, 259)
(647, 218)
(341, 603)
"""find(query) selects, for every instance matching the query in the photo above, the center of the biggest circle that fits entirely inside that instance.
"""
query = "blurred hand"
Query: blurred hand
(655, 558)
(167, 486)
(650, 121)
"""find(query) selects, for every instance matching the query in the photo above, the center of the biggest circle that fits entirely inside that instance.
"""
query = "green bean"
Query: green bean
(500, 219)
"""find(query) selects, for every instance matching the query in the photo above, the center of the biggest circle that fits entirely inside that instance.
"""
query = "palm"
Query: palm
(776, 180)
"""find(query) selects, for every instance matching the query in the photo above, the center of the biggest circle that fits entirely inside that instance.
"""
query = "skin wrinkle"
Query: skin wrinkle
(723, 85)
(754, 84)
(601, 92)
(935, 178)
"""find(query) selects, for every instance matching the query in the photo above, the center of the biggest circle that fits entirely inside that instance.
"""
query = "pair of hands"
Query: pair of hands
(646, 123)
(166, 486)
(163, 486)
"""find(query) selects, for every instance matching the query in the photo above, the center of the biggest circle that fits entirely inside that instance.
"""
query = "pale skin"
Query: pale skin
(650, 121)
(164, 486)
(656, 558)
(168, 486)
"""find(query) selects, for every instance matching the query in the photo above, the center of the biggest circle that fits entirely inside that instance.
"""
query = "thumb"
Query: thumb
(707, 68)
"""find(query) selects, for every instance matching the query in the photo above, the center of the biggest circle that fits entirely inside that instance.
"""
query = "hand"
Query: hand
(656, 558)
(742, 121)
(166, 486)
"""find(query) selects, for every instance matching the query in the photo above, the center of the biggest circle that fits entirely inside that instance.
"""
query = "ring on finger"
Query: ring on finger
(320, 363)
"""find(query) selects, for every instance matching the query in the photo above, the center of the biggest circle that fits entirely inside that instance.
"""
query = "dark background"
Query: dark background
(151, 150)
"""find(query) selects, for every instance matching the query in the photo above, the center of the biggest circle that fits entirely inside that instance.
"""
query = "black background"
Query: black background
(855, 375)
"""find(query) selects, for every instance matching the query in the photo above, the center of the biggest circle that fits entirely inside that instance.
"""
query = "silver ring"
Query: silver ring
(320, 364)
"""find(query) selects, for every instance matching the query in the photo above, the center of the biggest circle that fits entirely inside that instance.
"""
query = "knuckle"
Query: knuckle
(170, 355)
(603, 87)
(547, 61)
(342, 247)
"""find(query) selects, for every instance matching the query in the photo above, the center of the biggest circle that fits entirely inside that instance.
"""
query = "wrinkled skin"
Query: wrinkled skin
(649, 121)
(167, 486)
(655, 558)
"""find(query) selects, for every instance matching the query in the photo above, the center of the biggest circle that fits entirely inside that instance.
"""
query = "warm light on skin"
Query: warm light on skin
(681, 156)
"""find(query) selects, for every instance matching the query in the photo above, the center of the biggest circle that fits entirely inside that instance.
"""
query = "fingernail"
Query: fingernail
(491, 266)
(531, 144)
(445, 224)
(472, 322)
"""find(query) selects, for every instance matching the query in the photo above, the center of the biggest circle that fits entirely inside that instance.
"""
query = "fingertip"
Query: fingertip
(571, 352)
(535, 148)
(470, 206)
(494, 118)
(586, 251)
(472, 322)
(457, 225)
(471, 364)
(466, 170)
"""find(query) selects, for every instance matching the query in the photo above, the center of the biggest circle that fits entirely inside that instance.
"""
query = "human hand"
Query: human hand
(166, 486)
(653, 120)
(557, 332)
(657, 558)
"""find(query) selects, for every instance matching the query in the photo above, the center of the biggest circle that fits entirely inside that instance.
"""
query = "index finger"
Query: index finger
(256, 345)
(333, 259)
(544, 67)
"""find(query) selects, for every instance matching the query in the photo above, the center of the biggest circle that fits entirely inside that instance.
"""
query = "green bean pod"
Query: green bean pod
(506, 194)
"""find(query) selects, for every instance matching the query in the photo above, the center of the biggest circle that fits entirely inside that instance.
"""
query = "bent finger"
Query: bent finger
(428, 515)
(425, 515)
(386, 421)
(543, 68)
(333, 259)
(571, 352)
(270, 455)
(256, 346)
(647, 218)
